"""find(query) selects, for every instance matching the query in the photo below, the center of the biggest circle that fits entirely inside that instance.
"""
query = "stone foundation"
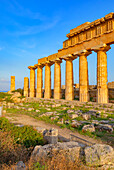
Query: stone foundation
(92, 94)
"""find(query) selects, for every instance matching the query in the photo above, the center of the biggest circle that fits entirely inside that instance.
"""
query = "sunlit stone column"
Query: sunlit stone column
(32, 81)
(102, 89)
(12, 87)
(83, 77)
(57, 79)
(69, 89)
(47, 93)
(26, 86)
(39, 93)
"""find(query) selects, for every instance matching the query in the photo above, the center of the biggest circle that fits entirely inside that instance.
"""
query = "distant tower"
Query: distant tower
(12, 88)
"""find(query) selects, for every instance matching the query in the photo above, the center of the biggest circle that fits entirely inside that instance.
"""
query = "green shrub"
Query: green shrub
(21, 91)
(38, 166)
(5, 96)
(25, 135)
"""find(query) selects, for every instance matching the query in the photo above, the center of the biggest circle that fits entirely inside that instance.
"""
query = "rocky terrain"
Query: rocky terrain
(90, 119)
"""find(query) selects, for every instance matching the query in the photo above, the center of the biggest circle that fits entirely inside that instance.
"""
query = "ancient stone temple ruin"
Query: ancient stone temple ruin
(96, 36)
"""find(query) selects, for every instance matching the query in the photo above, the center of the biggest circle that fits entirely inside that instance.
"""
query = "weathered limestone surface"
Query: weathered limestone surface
(32, 81)
(71, 150)
(102, 93)
(111, 85)
(12, 88)
(83, 77)
(26, 86)
(89, 35)
(99, 155)
(57, 79)
(51, 136)
(47, 94)
(94, 156)
(69, 90)
(39, 81)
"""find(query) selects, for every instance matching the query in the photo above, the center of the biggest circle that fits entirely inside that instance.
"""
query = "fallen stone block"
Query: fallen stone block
(71, 150)
(89, 128)
(99, 154)
(51, 136)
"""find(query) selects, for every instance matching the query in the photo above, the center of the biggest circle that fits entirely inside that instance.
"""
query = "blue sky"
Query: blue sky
(30, 30)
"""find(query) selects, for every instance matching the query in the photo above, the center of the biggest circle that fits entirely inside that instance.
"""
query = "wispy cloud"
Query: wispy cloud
(2, 80)
(1, 48)
(16, 8)
(29, 45)
(20, 29)
(31, 30)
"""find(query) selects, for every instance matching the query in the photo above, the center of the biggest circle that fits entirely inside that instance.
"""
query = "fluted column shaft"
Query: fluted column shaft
(32, 81)
(69, 90)
(102, 89)
(57, 80)
(12, 87)
(47, 94)
(83, 77)
(26, 86)
(39, 82)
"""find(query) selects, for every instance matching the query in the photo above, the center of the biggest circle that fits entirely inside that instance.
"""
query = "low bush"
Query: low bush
(21, 91)
(10, 152)
(26, 135)
(5, 96)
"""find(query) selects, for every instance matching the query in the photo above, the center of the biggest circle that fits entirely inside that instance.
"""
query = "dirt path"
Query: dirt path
(64, 134)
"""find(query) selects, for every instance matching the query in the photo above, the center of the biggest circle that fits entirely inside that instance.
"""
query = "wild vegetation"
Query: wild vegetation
(17, 143)
(60, 114)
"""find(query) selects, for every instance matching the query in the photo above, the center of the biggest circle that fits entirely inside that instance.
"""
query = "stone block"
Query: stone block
(99, 154)
(71, 151)
(51, 136)
(89, 128)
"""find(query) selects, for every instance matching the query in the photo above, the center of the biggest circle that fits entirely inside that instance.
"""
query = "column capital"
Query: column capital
(49, 63)
(58, 60)
(32, 67)
(84, 53)
(70, 57)
(103, 47)
(39, 65)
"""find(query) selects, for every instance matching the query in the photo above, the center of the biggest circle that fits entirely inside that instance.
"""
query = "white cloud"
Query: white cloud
(31, 30)
(20, 30)
(19, 10)
(2, 80)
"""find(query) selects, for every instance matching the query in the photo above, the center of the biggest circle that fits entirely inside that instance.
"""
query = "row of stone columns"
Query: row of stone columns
(102, 91)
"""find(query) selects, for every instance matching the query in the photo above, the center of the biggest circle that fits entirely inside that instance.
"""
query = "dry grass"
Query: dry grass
(57, 162)
(10, 152)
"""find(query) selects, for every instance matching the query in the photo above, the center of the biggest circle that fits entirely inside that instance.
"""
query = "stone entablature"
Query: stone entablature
(111, 85)
(87, 36)
(87, 31)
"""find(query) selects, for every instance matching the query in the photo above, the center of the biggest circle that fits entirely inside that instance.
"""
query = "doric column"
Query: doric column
(69, 89)
(47, 94)
(83, 77)
(32, 81)
(39, 92)
(102, 89)
(26, 86)
(57, 79)
(12, 87)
